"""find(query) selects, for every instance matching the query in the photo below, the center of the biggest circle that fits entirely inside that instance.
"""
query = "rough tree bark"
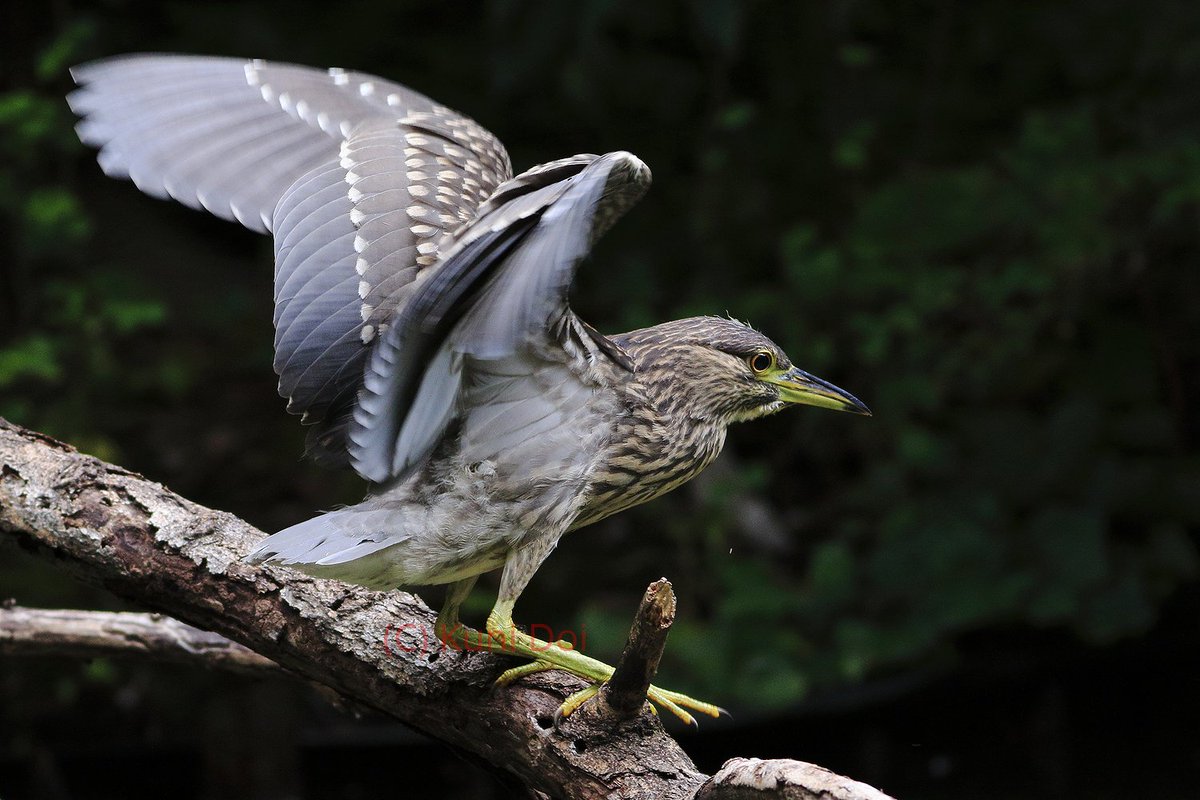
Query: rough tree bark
(90, 634)
(625, 691)
(111, 527)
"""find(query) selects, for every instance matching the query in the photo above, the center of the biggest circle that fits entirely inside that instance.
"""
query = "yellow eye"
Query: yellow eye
(761, 361)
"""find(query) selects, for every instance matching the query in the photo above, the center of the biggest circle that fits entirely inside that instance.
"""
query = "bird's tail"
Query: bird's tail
(339, 544)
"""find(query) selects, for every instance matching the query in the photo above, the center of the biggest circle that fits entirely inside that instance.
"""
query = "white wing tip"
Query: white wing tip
(640, 171)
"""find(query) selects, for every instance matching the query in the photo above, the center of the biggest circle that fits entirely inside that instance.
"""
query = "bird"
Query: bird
(423, 328)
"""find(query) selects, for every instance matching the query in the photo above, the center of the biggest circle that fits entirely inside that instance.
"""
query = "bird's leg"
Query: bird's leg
(518, 570)
(503, 636)
(447, 626)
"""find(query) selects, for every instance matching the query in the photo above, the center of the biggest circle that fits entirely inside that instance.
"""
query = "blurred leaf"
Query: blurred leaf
(54, 222)
(65, 50)
(31, 358)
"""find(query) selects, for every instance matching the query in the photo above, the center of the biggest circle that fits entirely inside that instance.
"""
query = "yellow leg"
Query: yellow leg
(532, 668)
(447, 619)
(572, 703)
(504, 637)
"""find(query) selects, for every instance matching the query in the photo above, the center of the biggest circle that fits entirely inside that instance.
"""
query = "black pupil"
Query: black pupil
(760, 362)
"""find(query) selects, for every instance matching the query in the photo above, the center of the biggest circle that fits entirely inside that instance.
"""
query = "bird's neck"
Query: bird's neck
(671, 407)
(657, 445)
(688, 437)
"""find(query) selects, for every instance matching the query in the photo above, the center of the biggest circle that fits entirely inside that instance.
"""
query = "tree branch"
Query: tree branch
(782, 779)
(114, 528)
(88, 634)
(626, 689)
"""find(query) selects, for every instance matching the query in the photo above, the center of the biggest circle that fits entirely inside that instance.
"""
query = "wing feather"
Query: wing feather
(355, 176)
(498, 294)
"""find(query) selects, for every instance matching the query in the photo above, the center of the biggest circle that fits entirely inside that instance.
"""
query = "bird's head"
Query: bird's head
(726, 371)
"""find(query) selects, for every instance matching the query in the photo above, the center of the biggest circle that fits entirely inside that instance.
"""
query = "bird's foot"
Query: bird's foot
(503, 637)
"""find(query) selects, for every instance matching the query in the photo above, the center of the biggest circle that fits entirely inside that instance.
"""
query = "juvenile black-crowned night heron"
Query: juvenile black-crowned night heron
(422, 325)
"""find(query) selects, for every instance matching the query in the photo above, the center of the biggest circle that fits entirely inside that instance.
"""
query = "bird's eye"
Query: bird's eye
(761, 361)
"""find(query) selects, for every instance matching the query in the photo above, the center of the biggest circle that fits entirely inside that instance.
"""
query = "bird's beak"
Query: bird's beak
(797, 386)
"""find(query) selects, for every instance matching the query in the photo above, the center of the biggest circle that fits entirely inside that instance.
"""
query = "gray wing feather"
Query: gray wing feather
(433, 406)
(501, 287)
(147, 112)
(525, 294)
(315, 294)
(358, 178)
(523, 415)
(319, 328)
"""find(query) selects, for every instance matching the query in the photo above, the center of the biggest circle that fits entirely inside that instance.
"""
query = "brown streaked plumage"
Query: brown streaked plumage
(423, 329)
(690, 381)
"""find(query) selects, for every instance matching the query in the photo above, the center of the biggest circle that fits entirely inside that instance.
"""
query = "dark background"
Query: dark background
(981, 218)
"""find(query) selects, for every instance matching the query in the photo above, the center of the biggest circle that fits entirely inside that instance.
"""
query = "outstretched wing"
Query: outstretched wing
(498, 299)
(357, 178)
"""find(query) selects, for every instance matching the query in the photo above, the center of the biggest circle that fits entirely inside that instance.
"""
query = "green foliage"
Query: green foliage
(32, 357)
